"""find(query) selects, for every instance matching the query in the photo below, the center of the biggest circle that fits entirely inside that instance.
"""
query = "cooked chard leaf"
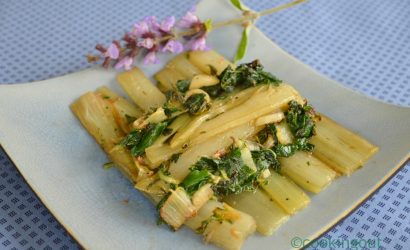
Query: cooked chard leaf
(138, 140)
(195, 180)
(196, 104)
(213, 91)
(239, 177)
(300, 144)
(183, 85)
(300, 120)
(175, 157)
(265, 159)
(263, 135)
(246, 75)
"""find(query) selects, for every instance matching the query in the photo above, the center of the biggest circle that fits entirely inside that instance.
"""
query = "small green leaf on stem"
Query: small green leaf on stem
(237, 4)
(243, 44)
(208, 25)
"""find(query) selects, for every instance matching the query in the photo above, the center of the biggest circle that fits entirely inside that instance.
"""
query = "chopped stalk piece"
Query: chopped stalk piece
(107, 93)
(203, 214)
(230, 228)
(176, 125)
(202, 80)
(246, 155)
(218, 107)
(201, 197)
(180, 169)
(307, 171)
(209, 62)
(285, 193)
(267, 214)
(182, 65)
(158, 154)
(284, 134)
(339, 147)
(96, 116)
(140, 89)
(263, 101)
(177, 208)
(168, 78)
(271, 118)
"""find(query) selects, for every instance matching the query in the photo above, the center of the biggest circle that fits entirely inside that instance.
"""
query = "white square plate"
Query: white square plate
(63, 164)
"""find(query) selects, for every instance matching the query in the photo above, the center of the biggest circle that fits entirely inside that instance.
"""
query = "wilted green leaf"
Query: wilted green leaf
(243, 44)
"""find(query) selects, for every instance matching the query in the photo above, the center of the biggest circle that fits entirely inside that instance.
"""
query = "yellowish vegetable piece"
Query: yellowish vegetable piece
(140, 89)
(203, 80)
(285, 193)
(339, 147)
(158, 154)
(125, 162)
(124, 111)
(217, 107)
(265, 100)
(307, 171)
(182, 65)
(231, 230)
(267, 214)
(180, 169)
(209, 61)
(96, 116)
(107, 93)
(270, 118)
(201, 197)
(176, 125)
(168, 78)
(177, 208)
(283, 133)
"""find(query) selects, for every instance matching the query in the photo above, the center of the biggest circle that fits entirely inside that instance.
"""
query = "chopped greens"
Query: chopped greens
(235, 176)
(195, 180)
(263, 135)
(183, 85)
(196, 104)
(213, 91)
(138, 140)
(300, 120)
(300, 144)
(265, 159)
(246, 75)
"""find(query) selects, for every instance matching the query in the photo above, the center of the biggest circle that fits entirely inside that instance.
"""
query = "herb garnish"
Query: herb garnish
(138, 140)
(246, 75)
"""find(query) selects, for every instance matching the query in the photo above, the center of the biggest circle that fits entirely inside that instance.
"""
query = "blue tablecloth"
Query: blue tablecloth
(362, 44)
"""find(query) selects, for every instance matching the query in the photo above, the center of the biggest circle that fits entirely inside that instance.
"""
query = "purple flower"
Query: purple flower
(167, 24)
(140, 29)
(152, 23)
(125, 63)
(146, 43)
(112, 51)
(148, 26)
(173, 46)
(189, 20)
(151, 58)
(197, 44)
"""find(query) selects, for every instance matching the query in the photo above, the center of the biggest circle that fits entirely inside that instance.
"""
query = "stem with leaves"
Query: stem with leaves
(150, 37)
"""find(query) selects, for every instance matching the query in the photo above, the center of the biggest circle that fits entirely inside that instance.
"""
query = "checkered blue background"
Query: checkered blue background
(362, 44)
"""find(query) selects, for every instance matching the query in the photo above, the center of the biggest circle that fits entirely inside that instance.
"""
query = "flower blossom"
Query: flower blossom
(171, 45)
(125, 63)
(196, 41)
